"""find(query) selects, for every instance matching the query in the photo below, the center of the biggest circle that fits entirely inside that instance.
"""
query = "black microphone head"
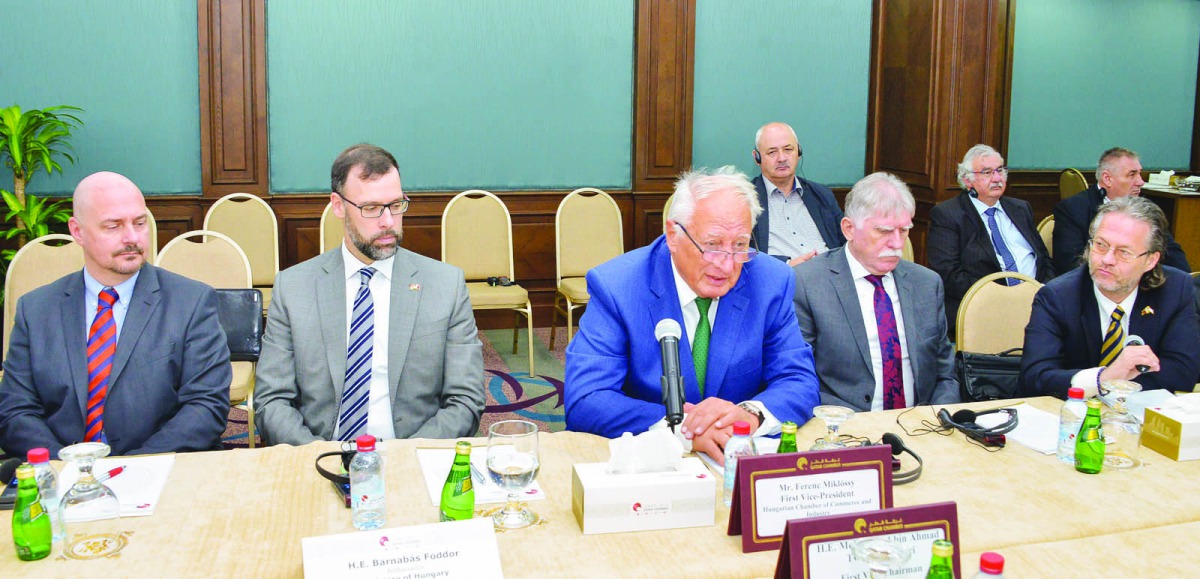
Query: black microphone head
(964, 416)
(1134, 340)
(894, 441)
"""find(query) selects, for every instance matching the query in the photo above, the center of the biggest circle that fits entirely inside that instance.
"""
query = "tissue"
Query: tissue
(651, 451)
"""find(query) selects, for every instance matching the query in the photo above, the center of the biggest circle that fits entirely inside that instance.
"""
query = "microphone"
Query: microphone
(1136, 340)
(668, 332)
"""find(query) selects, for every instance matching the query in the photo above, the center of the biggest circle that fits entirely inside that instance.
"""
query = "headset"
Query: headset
(898, 447)
(758, 156)
(346, 454)
(965, 421)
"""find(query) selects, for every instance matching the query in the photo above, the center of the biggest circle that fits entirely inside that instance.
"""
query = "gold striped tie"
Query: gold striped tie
(1114, 338)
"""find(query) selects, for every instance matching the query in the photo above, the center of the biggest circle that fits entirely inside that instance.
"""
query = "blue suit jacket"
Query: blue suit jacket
(169, 386)
(614, 364)
(1063, 335)
(821, 205)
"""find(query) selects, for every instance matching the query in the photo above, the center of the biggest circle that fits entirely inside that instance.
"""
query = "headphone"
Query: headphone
(758, 156)
(347, 454)
(964, 421)
(898, 447)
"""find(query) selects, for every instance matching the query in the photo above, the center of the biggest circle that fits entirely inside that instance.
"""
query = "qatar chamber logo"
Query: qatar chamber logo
(640, 509)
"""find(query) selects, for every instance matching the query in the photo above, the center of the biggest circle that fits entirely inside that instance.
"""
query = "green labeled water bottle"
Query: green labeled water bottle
(941, 565)
(1089, 445)
(458, 494)
(787, 440)
(31, 523)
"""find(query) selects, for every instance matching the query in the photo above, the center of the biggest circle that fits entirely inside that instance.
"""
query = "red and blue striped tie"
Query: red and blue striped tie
(101, 344)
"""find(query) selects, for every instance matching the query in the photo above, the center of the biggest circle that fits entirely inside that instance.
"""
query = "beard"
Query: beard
(122, 266)
(368, 247)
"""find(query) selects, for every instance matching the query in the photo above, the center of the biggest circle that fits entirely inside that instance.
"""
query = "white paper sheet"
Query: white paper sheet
(435, 465)
(1036, 429)
(137, 487)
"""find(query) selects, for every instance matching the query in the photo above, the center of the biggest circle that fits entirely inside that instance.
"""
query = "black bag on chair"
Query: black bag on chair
(988, 376)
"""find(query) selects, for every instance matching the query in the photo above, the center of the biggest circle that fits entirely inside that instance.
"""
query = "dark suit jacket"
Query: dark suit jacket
(821, 205)
(1064, 334)
(169, 386)
(1073, 216)
(614, 364)
(960, 249)
(831, 320)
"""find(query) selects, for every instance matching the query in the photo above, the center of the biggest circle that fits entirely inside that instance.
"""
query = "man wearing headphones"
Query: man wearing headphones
(800, 218)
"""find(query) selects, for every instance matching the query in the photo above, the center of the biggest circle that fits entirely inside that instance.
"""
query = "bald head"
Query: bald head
(101, 189)
(110, 222)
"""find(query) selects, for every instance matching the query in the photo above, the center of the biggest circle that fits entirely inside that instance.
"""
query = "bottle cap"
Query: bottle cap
(366, 443)
(741, 428)
(38, 455)
(789, 427)
(991, 563)
(1075, 393)
(25, 471)
(943, 548)
(463, 447)
(1093, 403)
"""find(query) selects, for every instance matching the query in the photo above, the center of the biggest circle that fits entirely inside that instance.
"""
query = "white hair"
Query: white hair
(759, 132)
(701, 183)
(967, 166)
(879, 194)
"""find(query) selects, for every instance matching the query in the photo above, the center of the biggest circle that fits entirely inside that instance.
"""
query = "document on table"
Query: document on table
(1036, 429)
(137, 487)
(435, 465)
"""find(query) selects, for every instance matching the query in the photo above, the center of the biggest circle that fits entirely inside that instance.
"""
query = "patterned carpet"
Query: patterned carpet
(511, 392)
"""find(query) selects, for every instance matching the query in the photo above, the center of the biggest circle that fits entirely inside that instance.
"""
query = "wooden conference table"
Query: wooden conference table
(1183, 213)
(243, 513)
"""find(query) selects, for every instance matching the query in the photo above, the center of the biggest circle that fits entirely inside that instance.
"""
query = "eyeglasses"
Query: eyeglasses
(741, 254)
(1101, 249)
(374, 211)
(987, 173)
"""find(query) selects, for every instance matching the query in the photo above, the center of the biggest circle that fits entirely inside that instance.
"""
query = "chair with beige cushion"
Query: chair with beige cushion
(587, 232)
(332, 229)
(251, 223)
(36, 264)
(907, 253)
(992, 316)
(477, 237)
(1046, 230)
(217, 260)
(1070, 182)
(152, 226)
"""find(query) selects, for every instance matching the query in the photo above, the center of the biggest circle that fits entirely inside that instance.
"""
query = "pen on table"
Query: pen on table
(114, 472)
(477, 476)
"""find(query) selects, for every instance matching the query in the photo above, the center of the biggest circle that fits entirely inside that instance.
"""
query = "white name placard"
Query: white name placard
(814, 495)
(435, 551)
(834, 559)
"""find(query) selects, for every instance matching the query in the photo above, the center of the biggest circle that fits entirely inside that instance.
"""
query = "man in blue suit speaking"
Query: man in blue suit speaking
(742, 354)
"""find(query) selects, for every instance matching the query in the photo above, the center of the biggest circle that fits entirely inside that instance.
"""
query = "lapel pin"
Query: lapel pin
(416, 287)
(1147, 311)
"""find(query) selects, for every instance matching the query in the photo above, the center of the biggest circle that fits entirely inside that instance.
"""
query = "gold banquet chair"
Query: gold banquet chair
(477, 238)
(992, 316)
(587, 232)
(218, 261)
(907, 253)
(152, 226)
(332, 229)
(250, 223)
(1046, 230)
(36, 264)
(1070, 182)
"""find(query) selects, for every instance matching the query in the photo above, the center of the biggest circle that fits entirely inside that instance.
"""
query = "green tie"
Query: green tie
(700, 343)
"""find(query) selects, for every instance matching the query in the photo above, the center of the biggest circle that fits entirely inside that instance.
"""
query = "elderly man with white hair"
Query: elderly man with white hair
(981, 231)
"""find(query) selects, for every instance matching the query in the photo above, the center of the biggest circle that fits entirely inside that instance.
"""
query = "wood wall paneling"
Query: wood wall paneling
(662, 143)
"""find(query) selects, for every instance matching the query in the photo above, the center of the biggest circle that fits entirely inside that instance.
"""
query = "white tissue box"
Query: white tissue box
(1173, 431)
(615, 503)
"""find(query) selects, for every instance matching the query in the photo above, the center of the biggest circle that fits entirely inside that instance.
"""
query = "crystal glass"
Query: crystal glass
(512, 461)
(1122, 431)
(833, 416)
(881, 555)
(88, 499)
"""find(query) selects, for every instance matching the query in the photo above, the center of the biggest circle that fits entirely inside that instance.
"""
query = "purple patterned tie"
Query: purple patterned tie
(889, 347)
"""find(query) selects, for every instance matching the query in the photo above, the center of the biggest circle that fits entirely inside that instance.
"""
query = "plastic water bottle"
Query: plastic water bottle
(1069, 419)
(47, 482)
(367, 501)
(738, 446)
(991, 566)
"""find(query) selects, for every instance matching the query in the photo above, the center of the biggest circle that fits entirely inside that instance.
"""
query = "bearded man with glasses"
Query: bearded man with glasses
(1081, 330)
(741, 352)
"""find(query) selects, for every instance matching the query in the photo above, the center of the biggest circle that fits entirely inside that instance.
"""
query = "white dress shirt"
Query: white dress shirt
(1088, 379)
(866, 302)
(1020, 249)
(379, 406)
(91, 297)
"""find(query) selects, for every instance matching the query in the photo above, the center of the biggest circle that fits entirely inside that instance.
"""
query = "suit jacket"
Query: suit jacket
(435, 359)
(1072, 218)
(614, 363)
(168, 390)
(1064, 334)
(831, 321)
(821, 205)
(959, 247)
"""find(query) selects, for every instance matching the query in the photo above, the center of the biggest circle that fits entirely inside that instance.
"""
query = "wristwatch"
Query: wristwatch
(753, 410)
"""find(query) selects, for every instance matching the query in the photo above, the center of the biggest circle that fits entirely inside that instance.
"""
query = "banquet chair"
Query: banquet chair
(1070, 182)
(332, 229)
(587, 232)
(240, 313)
(992, 316)
(1046, 230)
(152, 226)
(667, 209)
(477, 238)
(36, 264)
(907, 252)
(251, 223)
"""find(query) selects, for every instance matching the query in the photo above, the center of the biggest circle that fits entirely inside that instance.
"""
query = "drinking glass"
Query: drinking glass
(833, 416)
(88, 499)
(1122, 432)
(512, 461)
(881, 555)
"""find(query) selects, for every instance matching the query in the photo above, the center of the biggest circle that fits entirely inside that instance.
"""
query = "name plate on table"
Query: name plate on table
(451, 549)
(773, 489)
(821, 547)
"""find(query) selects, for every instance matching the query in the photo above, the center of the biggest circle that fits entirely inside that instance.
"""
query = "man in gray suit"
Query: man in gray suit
(876, 323)
(369, 338)
(121, 352)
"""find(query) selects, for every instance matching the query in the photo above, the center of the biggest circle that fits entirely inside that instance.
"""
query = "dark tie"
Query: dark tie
(352, 418)
(1114, 338)
(889, 347)
(700, 343)
(101, 344)
(1010, 264)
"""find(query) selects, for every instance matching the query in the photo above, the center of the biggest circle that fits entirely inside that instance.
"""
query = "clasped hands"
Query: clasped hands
(709, 425)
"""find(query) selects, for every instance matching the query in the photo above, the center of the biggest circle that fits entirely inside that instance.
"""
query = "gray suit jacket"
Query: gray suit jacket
(169, 386)
(831, 320)
(435, 359)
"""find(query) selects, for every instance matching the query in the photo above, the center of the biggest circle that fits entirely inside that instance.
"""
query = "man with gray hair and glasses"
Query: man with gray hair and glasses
(981, 231)
(876, 323)
(1082, 328)
(742, 355)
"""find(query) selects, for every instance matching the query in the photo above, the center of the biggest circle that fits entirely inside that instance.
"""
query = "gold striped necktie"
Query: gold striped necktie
(1114, 338)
